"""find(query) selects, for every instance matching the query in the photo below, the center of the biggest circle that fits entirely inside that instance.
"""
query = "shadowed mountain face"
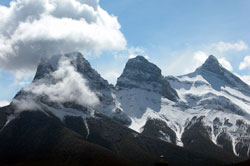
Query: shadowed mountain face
(198, 119)
(245, 163)
(140, 73)
(35, 138)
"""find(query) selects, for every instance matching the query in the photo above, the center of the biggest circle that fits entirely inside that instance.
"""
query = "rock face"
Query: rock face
(140, 73)
(157, 128)
(212, 64)
(225, 140)
(44, 70)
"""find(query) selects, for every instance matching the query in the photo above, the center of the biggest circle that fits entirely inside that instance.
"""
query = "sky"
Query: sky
(176, 35)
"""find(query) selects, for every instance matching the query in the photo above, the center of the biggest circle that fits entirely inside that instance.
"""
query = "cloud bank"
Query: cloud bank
(4, 103)
(34, 29)
(69, 86)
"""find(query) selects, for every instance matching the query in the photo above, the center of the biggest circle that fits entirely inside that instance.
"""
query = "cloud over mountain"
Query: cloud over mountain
(33, 29)
(4, 103)
(69, 86)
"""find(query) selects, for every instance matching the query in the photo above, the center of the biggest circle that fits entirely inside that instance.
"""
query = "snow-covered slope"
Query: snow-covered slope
(211, 97)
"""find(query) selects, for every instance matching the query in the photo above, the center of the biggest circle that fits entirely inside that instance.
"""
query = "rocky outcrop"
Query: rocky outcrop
(140, 73)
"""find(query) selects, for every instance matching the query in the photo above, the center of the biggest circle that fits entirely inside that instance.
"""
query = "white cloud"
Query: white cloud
(245, 64)
(183, 63)
(246, 79)
(70, 86)
(111, 76)
(199, 58)
(135, 51)
(133, 56)
(225, 63)
(23, 78)
(4, 103)
(32, 29)
(27, 104)
(224, 46)
(187, 62)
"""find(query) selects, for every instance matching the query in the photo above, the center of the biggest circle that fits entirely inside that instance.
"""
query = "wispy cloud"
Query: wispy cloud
(187, 60)
(111, 76)
(199, 58)
(134, 51)
(233, 46)
(246, 79)
(69, 86)
(225, 63)
(245, 63)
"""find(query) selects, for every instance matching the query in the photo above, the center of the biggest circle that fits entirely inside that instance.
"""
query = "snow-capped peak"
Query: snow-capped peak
(212, 64)
(142, 74)
(213, 73)
(141, 70)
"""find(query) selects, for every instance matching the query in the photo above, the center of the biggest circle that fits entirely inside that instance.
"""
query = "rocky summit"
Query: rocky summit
(140, 73)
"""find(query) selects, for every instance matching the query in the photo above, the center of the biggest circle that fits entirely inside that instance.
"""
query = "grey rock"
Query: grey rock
(140, 73)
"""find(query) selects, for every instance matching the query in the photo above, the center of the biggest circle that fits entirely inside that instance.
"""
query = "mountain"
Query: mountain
(221, 100)
(218, 77)
(70, 115)
(140, 73)
(45, 76)
(211, 112)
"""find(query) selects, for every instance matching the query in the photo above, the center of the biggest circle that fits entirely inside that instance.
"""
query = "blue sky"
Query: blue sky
(176, 35)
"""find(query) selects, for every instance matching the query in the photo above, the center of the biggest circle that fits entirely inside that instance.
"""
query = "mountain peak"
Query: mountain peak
(140, 58)
(142, 74)
(212, 65)
(218, 76)
(212, 59)
(141, 61)
(141, 70)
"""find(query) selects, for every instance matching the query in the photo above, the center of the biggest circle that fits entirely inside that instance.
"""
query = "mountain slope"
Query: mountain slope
(223, 99)
(36, 139)
(211, 100)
